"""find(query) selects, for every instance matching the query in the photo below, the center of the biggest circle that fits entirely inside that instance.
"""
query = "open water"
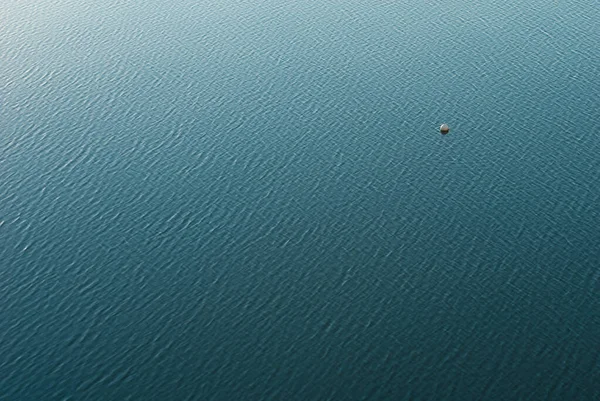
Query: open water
(250, 200)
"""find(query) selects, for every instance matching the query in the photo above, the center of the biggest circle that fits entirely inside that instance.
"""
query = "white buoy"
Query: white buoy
(444, 129)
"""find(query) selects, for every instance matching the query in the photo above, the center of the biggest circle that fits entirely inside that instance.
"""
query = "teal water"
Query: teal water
(251, 200)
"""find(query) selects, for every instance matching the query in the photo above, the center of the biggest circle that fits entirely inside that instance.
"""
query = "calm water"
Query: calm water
(250, 200)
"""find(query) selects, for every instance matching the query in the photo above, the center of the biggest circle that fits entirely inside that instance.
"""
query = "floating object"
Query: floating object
(444, 129)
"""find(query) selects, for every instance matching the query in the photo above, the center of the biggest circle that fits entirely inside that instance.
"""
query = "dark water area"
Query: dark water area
(252, 201)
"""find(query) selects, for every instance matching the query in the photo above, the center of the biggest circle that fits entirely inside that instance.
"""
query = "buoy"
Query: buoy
(444, 129)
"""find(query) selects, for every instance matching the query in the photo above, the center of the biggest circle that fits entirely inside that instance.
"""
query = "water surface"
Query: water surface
(251, 200)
